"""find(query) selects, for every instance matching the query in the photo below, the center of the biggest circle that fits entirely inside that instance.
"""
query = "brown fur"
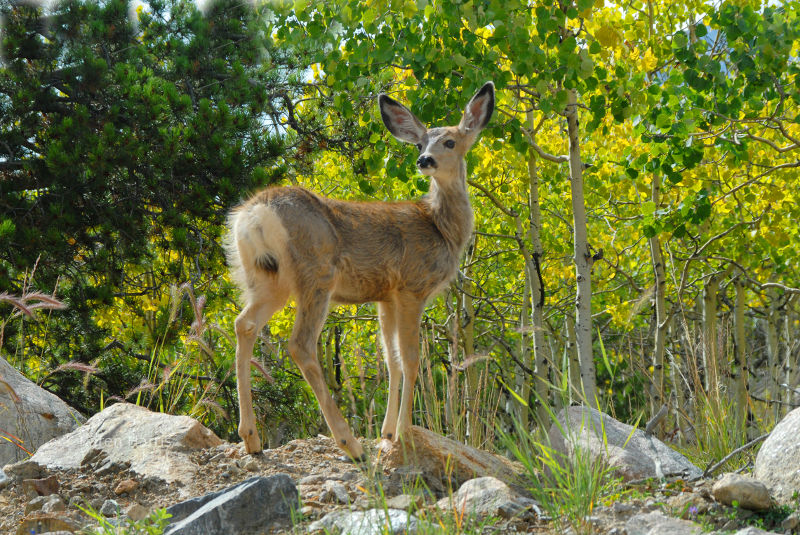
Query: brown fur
(288, 241)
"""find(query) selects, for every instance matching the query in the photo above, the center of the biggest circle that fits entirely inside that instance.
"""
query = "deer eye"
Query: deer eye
(419, 147)
(449, 143)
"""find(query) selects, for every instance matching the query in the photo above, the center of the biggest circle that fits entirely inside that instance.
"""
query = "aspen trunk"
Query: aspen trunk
(572, 361)
(467, 331)
(787, 387)
(657, 396)
(773, 351)
(523, 385)
(583, 259)
(535, 276)
(710, 376)
(741, 370)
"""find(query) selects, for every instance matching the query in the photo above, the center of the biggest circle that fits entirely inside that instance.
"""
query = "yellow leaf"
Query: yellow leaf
(607, 35)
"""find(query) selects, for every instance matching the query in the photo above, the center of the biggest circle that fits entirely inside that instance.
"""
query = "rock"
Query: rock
(110, 508)
(657, 523)
(409, 477)
(437, 457)
(334, 492)
(405, 502)
(372, 522)
(751, 530)
(688, 505)
(251, 465)
(126, 486)
(4, 480)
(747, 492)
(778, 460)
(137, 512)
(633, 454)
(31, 413)
(53, 504)
(35, 504)
(253, 506)
(313, 479)
(791, 522)
(26, 469)
(485, 496)
(151, 444)
(45, 522)
(41, 487)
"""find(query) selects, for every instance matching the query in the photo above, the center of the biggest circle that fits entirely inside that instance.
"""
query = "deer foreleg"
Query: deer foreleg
(388, 320)
(408, 318)
(311, 314)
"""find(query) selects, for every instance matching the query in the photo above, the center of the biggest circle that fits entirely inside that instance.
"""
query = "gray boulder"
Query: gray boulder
(125, 435)
(487, 496)
(778, 460)
(371, 522)
(632, 453)
(30, 413)
(255, 505)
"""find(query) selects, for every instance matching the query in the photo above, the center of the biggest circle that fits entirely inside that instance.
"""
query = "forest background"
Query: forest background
(635, 214)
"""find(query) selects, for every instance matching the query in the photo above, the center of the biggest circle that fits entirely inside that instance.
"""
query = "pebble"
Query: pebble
(791, 522)
(137, 512)
(251, 465)
(53, 504)
(126, 486)
(110, 508)
(35, 504)
(334, 492)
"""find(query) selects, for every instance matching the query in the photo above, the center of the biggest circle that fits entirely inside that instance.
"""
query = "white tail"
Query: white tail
(288, 241)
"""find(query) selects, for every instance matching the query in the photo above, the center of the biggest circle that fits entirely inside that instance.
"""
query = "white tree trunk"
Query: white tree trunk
(657, 395)
(583, 259)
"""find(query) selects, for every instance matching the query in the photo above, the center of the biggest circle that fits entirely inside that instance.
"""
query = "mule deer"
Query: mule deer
(288, 241)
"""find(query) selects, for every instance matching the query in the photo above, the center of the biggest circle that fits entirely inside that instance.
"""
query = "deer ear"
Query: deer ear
(478, 112)
(400, 121)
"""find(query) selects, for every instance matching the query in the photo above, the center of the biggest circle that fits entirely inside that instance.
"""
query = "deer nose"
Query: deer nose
(425, 161)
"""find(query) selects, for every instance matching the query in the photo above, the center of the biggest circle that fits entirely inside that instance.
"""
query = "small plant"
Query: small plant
(153, 524)
(567, 486)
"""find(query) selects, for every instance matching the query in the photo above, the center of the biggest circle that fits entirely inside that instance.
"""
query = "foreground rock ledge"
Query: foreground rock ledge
(153, 444)
(441, 457)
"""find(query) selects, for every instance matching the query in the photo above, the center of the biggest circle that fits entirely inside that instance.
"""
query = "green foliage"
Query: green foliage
(123, 143)
(568, 487)
(154, 524)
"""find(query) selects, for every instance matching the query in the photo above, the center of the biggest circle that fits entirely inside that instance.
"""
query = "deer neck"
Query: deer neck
(450, 208)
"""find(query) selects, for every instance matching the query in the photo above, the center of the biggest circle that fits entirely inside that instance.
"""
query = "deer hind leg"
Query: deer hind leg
(265, 297)
(387, 316)
(409, 314)
(312, 309)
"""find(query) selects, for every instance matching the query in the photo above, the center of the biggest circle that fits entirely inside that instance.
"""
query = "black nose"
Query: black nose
(425, 161)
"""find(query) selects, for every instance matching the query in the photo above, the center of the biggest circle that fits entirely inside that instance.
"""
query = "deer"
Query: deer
(287, 241)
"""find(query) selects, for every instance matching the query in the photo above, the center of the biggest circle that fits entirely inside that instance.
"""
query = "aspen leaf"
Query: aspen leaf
(607, 35)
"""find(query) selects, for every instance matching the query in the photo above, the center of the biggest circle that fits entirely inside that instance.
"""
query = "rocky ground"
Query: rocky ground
(126, 462)
(325, 480)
